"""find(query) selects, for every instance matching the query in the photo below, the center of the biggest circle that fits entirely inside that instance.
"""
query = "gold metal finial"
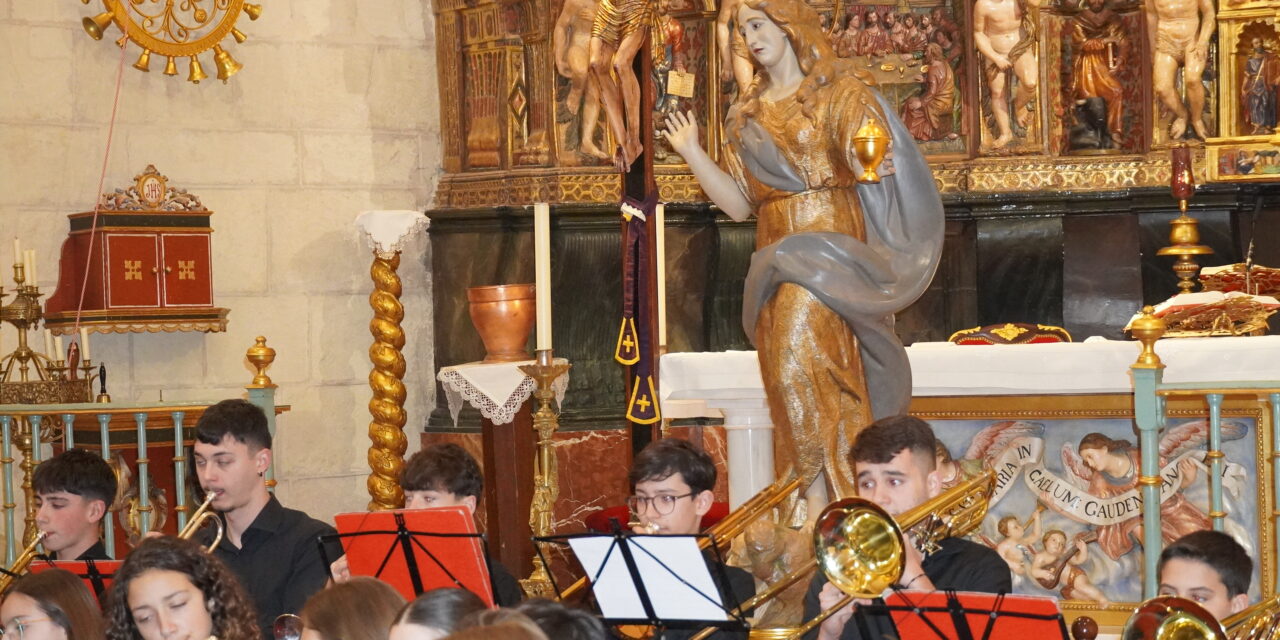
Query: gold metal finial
(1147, 329)
(261, 356)
(870, 144)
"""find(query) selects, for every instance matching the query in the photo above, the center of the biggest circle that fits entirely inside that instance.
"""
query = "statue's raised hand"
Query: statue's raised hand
(682, 133)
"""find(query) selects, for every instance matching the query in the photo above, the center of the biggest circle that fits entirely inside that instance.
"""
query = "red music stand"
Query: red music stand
(96, 574)
(415, 550)
(978, 616)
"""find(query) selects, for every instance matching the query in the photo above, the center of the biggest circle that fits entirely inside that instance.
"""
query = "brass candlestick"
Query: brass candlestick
(1184, 234)
(27, 376)
(546, 478)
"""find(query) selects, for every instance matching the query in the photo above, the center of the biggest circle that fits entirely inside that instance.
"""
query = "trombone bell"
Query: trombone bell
(1171, 618)
(97, 25)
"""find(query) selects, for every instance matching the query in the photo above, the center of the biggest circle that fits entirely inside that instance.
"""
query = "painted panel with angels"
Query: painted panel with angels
(1066, 515)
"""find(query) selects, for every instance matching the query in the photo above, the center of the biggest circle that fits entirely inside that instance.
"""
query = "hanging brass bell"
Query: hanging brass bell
(143, 62)
(170, 67)
(97, 25)
(254, 10)
(238, 35)
(227, 66)
(197, 72)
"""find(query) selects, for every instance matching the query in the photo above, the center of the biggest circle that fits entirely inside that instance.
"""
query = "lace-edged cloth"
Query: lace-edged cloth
(387, 231)
(497, 390)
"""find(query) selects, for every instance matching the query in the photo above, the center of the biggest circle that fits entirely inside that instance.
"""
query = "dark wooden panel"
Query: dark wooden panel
(1019, 270)
(1102, 274)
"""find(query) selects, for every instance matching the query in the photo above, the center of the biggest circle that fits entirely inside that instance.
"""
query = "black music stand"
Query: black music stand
(415, 550)
(951, 615)
(649, 579)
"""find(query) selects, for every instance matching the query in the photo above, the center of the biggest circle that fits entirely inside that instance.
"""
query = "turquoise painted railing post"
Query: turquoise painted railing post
(1148, 373)
(1215, 455)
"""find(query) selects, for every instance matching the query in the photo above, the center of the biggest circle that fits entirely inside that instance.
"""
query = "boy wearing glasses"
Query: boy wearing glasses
(671, 482)
(74, 490)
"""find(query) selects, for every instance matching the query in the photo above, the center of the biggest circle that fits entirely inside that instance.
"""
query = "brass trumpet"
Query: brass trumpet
(198, 520)
(20, 564)
(862, 549)
(1258, 622)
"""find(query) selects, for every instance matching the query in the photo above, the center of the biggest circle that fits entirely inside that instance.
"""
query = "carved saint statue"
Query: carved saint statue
(1258, 90)
(1097, 35)
(735, 61)
(571, 41)
(1180, 31)
(1005, 32)
(835, 258)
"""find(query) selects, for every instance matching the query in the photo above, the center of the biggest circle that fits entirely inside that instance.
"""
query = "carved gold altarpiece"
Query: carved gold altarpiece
(511, 136)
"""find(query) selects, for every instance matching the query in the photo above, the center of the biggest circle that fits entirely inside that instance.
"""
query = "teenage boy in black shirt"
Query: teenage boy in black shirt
(272, 549)
(895, 467)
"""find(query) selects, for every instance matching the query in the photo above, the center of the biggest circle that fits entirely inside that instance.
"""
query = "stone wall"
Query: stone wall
(335, 112)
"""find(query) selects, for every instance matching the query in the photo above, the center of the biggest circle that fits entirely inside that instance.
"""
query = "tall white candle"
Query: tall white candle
(84, 344)
(48, 344)
(542, 271)
(59, 354)
(659, 230)
(31, 267)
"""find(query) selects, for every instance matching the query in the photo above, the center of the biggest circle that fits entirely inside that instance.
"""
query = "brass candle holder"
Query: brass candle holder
(30, 377)
(1184, 232)
(546, 477)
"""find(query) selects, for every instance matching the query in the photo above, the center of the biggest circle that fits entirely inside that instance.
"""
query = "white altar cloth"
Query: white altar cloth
(945, 369)
(497, 389)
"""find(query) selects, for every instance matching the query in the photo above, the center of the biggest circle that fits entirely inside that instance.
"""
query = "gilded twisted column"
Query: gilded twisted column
(386, 455)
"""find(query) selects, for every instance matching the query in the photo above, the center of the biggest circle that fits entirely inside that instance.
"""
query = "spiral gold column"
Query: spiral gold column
(386, 455)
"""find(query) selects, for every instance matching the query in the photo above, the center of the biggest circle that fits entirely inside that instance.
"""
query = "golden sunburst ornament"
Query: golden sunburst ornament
(176, 29)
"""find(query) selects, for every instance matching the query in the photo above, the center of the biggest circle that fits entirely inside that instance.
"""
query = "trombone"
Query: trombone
(723, 532)
(198, 520)
(20, 564)
(1173, 618)
(861, 548)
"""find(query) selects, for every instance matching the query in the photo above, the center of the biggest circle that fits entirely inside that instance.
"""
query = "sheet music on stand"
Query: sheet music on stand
(659, 580)
(415, 550)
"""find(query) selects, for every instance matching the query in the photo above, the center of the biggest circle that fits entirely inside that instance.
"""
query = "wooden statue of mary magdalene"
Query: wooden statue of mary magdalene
(835, 258)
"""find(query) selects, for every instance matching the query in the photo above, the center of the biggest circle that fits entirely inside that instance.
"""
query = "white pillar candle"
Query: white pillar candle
(31, 267)
(659, 231)
(48, 344)
(84, 344)
(59, 354)
(542, 271)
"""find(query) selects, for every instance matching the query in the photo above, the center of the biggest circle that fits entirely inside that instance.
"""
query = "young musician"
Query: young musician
(51, 605)
(671, 482)
(74, 490)
(895, 467)
(1209, 568)
(434, 614)
(445, 475)
(272, 549)
(362, 608)
(169, 588)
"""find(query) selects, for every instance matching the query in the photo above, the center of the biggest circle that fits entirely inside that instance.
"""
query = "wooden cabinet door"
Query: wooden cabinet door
(187, 278)
(132, 266)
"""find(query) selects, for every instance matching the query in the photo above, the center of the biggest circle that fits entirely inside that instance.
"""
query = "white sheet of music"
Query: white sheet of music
(671, 598)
